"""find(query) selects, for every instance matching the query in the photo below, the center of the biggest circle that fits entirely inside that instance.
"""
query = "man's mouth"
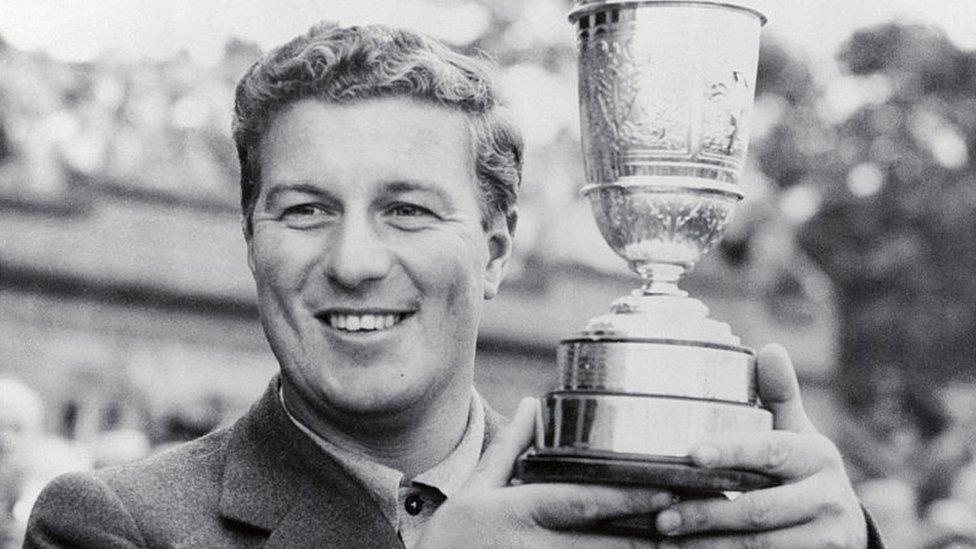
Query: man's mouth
(363, 322)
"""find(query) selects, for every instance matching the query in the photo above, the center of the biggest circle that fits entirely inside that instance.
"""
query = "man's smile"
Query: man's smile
(363, 320)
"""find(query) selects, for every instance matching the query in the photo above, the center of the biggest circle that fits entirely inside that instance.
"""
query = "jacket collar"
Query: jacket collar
(277, 480)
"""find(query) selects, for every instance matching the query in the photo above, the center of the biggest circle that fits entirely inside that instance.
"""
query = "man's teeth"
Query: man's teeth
(371, 322)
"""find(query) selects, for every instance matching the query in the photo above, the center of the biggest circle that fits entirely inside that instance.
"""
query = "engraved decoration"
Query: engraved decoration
(646, 227)
(656, 104)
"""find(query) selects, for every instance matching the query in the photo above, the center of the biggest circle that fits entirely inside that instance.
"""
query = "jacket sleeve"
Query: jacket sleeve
(79, 510)
(874, 537)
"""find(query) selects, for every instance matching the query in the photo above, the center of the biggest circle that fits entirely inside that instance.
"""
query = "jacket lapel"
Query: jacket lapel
(277, 480)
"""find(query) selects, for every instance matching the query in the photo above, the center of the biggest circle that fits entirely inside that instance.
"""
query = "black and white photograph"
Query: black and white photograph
(433, 274)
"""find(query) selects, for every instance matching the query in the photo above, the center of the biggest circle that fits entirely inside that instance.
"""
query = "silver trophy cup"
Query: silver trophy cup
(666, 89)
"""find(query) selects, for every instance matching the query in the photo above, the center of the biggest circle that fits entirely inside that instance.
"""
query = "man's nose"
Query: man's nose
(358, 254)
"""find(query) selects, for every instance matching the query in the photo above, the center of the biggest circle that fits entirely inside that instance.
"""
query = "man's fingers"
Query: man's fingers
(783, 454)
(779, 390)
(760, 510)
(579, 540)
(495, 468)
(573, 506)
(806, 536)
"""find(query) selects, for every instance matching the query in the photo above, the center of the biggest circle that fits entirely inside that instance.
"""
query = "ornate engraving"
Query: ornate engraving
(726, 104)
(655, 104)
(647, 225)
(627, 110)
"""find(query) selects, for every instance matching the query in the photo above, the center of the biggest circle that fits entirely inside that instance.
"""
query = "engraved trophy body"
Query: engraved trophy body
(666, 88)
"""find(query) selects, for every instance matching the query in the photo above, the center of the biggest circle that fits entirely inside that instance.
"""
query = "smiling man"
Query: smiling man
(378, 190)
(372, 260)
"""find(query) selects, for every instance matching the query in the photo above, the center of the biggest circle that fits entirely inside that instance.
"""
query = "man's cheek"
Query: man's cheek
(450, 278)
(285, 266)
(463, 298)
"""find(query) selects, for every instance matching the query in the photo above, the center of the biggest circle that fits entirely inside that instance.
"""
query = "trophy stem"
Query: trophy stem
(660, 278)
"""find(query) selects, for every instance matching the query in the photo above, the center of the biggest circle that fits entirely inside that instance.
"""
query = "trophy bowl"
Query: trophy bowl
(666, 89)
(660, 231)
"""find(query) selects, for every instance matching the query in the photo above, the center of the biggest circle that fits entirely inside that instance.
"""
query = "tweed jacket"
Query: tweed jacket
(258, 483)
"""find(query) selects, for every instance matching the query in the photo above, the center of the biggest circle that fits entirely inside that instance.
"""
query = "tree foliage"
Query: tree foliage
(897, 179)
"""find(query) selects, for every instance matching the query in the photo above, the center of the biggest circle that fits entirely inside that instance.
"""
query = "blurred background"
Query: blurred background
(127, 314)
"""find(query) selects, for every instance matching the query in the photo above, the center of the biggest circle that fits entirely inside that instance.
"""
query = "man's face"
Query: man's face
(369, 252)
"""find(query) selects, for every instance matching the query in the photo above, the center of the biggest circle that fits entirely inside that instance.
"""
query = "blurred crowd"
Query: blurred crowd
(912, 455)
(39, 442)
(134, 128)
(152, 128)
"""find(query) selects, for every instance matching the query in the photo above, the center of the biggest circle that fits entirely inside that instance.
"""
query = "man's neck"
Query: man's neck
(410, 440)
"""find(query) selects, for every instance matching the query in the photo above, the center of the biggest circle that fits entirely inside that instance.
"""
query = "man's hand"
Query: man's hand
(814, 507)
(490, 513)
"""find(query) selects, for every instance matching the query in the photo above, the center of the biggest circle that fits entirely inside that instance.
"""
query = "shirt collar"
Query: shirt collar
(449, 475)
(384, 482)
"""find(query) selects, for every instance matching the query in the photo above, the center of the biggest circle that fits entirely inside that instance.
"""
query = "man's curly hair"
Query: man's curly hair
(340, 65)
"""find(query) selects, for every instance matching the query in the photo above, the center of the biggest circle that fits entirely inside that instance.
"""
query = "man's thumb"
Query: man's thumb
(495, 468)
(779, 390)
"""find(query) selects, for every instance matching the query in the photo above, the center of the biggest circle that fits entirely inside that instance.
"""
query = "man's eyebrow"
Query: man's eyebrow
(298, 186)
(411, 185)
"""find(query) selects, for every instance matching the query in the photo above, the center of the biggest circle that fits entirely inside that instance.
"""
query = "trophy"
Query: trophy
(665, 88)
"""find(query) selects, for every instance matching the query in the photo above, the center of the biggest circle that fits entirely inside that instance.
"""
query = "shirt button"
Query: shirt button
(413, 504)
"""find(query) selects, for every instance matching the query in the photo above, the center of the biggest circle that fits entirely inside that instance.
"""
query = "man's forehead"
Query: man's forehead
(428, 120)
(397, 125)
(395, 142)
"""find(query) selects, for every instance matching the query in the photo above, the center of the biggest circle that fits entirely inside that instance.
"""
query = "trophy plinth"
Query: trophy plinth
(666, 88)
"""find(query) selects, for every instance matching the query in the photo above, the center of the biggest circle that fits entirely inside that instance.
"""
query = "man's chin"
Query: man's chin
(388, 399)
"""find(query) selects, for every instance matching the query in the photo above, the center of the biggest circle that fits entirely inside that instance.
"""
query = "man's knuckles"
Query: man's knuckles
(833, 507)
(590, 504)
(772, 453)
(776, 456)
(752, 541)
(836, 538)
(758, 511)
(746, 541)
(780, 453)
(752, 511)
(573, 511)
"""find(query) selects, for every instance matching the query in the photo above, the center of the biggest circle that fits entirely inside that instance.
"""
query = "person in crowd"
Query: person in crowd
(21, 417)
(379, 181)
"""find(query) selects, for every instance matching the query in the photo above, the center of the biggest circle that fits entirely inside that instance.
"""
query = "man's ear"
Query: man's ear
(500, 233)
(246, 229)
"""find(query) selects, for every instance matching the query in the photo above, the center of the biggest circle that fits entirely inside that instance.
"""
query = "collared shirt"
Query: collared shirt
(409, 503)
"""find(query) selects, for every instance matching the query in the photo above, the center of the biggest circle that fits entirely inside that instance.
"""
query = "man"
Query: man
(378, 192)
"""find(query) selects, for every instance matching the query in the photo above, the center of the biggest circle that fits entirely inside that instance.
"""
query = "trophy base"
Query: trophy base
(678, 476)
(685, 480)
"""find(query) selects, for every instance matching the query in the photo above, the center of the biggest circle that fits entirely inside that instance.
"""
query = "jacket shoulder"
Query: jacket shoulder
(181, 472)
(78, 510)
(164, 497)
(176, 491)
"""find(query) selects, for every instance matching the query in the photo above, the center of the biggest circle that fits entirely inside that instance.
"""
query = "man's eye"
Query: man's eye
(302, 210)
(305, 215)
(409, 210)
